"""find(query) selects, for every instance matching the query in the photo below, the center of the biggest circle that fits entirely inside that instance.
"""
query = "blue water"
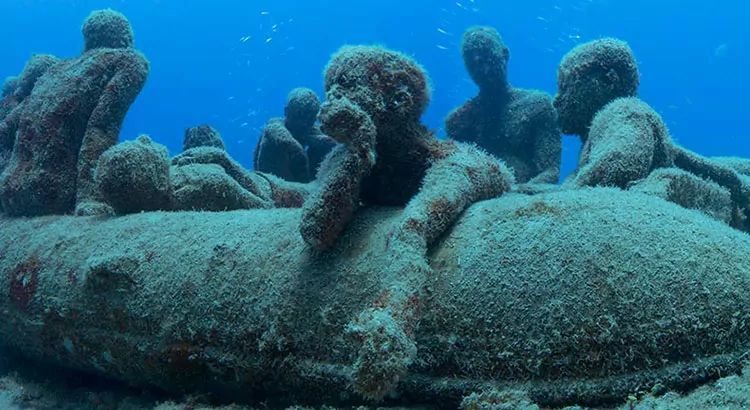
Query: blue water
(694, 56)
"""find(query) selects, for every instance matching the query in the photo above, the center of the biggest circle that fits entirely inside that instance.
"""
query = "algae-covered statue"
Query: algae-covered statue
(202, 135)
(138, 176)
(16, 91)
(374, 100)
(409, 278)
(625, 142)
(515, 124)
(293, 147)
(73, 114)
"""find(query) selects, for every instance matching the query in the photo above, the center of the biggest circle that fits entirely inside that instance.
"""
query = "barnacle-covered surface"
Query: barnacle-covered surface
(581, 296)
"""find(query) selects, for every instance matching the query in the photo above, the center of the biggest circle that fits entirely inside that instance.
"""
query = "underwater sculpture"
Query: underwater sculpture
(517, 125)
(577, 297)
(134, 176)
(73, 115)
(374, 100)
(293, 147)
(138, 176)
(590, 76)
(207, 178)
(16, 90)
(202, 136)
(625, 140)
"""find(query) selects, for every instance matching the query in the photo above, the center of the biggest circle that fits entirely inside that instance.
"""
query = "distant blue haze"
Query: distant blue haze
(694, 56)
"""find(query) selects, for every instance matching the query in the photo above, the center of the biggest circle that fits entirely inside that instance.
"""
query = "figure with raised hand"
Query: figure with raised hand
(374, 100)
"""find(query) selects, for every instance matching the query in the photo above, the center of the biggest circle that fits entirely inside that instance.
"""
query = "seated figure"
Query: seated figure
(375, 99)
(73, 114)
(517, 125)
(625, 141)
(16, 90)
(138, 176)
(293, 147)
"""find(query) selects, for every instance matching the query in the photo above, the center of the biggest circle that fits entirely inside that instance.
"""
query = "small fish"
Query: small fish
(268, 40)
(441, 31)
(442, 47)
(460, 5)
(244, 39)
(265, 13)
(721, 50)
(243, 125)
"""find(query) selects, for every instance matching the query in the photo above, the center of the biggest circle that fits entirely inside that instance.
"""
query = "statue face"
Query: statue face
(569, 105)
(486, 58)
(389, 86)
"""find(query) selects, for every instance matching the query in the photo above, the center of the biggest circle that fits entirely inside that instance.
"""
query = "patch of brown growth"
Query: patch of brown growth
(537, 208)
(440, 150)
(24, 279)
(182, 361)
(286, 198)
(441, 208)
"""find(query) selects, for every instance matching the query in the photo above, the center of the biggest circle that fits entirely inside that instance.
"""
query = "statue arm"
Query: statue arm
(547, 146)
(459, 176)
(103, 127)
(460, 125)
(329, 209)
